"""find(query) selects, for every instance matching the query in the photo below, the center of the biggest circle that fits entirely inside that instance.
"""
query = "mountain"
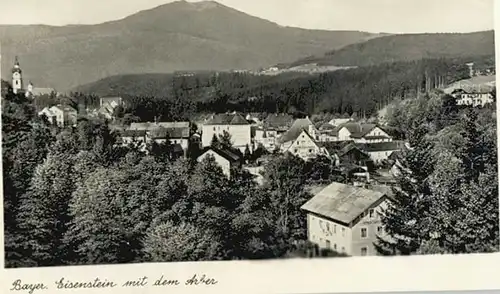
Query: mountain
(406, 48)
(174, 36)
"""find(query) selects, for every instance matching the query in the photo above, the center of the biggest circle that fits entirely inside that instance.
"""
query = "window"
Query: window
(343, 232)
(343, 249)
(334, 246)
(295, 150)
(364, 233)
(335, 229)
(328, 227)
(364, 251)
(310, 150)
(328, 245)
(371, 212)
(379, 229)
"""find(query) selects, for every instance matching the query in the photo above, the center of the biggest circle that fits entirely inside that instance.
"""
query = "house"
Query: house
(472, 98)
(353, 155)
(107, 106)
(299, 125)
(305, 147)
(271, 128)
(380, 151)
(362, 133)
(134, 136)
(60, 115)
(225, 158)
(233, 123)
(178, 133)
(346, 219)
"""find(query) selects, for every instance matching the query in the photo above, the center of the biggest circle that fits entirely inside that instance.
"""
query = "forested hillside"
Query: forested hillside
(406, 48)
(363, 90)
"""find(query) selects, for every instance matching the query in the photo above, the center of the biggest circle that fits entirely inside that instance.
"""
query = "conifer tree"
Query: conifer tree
(404, 219)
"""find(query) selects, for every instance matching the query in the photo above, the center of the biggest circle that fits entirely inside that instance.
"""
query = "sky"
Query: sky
(391, 16)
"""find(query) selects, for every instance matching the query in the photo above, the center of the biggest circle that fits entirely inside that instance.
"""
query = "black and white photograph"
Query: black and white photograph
(177, 131)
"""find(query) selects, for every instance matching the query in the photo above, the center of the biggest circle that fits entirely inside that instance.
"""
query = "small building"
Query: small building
(233, 123)
(346, 219)
(60, 115)
(226, 159)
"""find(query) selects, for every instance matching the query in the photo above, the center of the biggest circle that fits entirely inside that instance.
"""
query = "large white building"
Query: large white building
(233, 123)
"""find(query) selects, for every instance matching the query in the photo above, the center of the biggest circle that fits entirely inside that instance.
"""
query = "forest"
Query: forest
(363, 90)
(73, 196)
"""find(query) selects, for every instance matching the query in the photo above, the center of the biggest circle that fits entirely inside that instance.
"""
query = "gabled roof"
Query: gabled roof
(160, 132)
(278, 121)
(295, 130)
(351, 147)
(341, 202)
(227, 119)
(225, 153)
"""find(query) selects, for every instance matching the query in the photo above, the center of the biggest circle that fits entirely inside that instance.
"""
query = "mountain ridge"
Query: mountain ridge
(171, 37)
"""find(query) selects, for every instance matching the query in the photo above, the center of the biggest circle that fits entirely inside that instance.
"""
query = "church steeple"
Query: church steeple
(17, 79)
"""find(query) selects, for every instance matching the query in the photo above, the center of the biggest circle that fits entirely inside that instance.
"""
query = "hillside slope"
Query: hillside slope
(406, 48)
(174, 36)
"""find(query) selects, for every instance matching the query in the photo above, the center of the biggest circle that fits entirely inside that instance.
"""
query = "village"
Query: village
(341, 216)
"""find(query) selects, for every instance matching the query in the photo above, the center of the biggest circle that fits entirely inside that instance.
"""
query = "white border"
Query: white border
(362, 274)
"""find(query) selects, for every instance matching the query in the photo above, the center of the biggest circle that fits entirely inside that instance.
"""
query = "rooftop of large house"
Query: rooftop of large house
(341, 202)
(227, 119)
(296, 129)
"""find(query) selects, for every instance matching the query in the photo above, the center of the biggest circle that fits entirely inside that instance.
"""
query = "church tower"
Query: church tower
(17, 79)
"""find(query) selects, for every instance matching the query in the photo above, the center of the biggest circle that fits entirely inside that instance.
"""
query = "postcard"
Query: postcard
(279, 146)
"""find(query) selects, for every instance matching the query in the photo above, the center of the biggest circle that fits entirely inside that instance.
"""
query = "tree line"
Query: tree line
(363, 90)
(446, 199)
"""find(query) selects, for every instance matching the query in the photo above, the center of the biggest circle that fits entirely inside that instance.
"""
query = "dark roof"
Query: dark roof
(230, 155)
(133, 133)
(295, 130)
(341, 202)
(227, 119)
(381, 146)
(278, 121)
(172, 133)
(335, 146)
(349, 148)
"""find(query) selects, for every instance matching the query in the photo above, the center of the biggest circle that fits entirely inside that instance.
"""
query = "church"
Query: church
(29, 91)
